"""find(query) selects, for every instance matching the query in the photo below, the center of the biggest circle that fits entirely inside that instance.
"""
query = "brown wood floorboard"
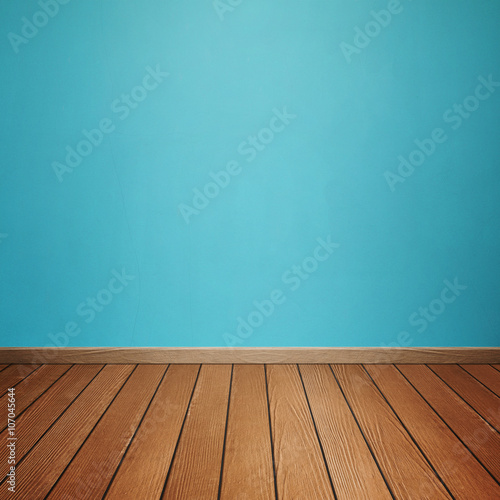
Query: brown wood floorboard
(487, 375)
(481, 439)
(300, 468)
(353, 469)
(485, 402)
(445, 451)
(90, 471)
(13, 374)
(142, 473)
(252, 431)
(35, 421)
(40, 469)
(196, 467)
(405, 468)
(30, 388)
(248, 463)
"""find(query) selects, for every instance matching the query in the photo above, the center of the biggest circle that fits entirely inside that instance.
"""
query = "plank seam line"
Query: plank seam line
(362, 433)
(180, 433)
(449, 427)
(40, 395)
(317, 433)
(91, 431)
(482, 383)
(135, 433)
(411, 435)
(19, 381)
(271, 434)
(55, 421)
(464, 400)
(225, 434)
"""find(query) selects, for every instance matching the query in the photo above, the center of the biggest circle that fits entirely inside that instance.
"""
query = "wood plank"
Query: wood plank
(474, 431)
(91, 470)
(252, 355)
(195, 470)
(2, 367)
(300, 468)
(32, 424)
(30, 388)
(497, 367)
(487, 375)
(485, 402)
(464, 476)
(142, 474)
(406, 470)
(40, 469)
(353, 469)
(248, 463)
(13, 374)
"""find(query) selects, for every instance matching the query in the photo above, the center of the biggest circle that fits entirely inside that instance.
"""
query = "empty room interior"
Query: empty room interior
(249, 250)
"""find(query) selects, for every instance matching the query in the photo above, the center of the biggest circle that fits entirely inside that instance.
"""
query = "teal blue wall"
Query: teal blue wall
(355, 151)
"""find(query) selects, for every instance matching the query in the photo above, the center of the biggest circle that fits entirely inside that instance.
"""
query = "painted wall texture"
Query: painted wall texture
(250, 173)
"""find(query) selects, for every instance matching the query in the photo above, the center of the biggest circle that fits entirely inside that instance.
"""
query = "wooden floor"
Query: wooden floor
(252, 431)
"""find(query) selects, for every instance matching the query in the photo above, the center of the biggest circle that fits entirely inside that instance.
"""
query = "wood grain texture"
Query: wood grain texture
(35, 421)
(487, 375)
(13, 374)
(89, 431)
(248, 465)
(486, 403)
(408, 473)
(41, 468)
(142, 473)
(91, 470)
(300, 468)
(352, 467)
(474, 431)
(252, 355)
(2, 367)
(30, 388)
(195, 470)
(464, 476)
